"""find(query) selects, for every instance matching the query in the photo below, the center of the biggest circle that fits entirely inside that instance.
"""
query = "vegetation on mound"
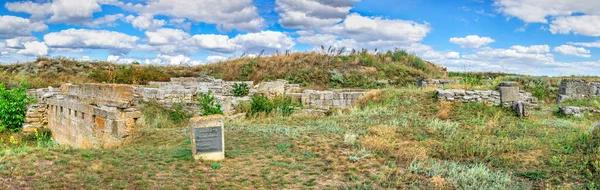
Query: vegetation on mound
(394, 139)
(361, 70)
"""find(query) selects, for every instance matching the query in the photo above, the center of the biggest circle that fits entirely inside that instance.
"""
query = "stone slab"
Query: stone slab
(205, 132)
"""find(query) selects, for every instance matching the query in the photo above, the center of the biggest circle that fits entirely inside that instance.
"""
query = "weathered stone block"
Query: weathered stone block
(509, 94)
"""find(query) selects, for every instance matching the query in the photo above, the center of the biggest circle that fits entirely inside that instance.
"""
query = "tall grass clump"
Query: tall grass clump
(240, 89)
(476, 176)
(157, 116)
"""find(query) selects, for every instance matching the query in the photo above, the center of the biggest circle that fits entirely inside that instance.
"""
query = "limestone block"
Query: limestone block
(509, 94)
(207, 137)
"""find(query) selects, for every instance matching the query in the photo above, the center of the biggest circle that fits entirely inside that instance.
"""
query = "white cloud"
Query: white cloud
(471, 41)
(61, 11)
(18, 42)
(176, 60)
(595, 44)
(12, 26)
(306, 14)
(372, 29)
(215, 58)
(535, 49)
(239, 14)
(215, 43)
(145, 22)
(264, 40)
(117, 43)
(537, 10)
(588, 25)
(180, 23)
(112, 58)
(105, 21)
(572, 50)
(34, 48)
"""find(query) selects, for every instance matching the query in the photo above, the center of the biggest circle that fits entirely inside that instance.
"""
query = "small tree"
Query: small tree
(208, 105)
(240, 89)
(13, 107)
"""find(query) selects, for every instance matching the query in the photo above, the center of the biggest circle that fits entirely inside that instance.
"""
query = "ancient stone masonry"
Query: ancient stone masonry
(436, 83)
(37, 116)
(186, 90)
(89, 115)
(104, 115)
(327, 99)
(577, 89)
(507, 94)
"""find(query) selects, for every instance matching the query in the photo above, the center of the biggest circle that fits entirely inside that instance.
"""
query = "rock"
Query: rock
(572, 111)
(520, 109)
(508, 83)
(509, 94)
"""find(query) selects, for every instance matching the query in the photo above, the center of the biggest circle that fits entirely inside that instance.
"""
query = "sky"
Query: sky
(535, 37)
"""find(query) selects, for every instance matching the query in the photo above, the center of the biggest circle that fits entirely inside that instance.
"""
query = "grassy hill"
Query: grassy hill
(310, 69)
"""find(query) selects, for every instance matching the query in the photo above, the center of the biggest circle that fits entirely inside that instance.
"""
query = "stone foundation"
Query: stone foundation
(577, 89)
(436, 83)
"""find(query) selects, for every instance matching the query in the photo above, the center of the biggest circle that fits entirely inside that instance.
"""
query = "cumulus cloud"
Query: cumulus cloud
(175, 41)
(306, 14)
(538, 10)
(34, 48)
(215, 43)
(117, 43)
(595, 44)
(534, 49)
(264, 40)
(370, 29)
(471, 41)
(241, 14)
(105, 21)
(572, 50)
(588, 25)
(145, 22)
(12, 26)
(215, 58)
(18, 42)
(60, 11)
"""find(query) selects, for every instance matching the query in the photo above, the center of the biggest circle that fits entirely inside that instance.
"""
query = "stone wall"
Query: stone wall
(186, 90)
(577, 89)
(505, 95)
(89, 115)
(576, 111)
(328, 99)
(37, 115)
(436, 83)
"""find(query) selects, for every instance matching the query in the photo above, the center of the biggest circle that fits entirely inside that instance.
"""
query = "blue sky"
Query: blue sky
(538, 37)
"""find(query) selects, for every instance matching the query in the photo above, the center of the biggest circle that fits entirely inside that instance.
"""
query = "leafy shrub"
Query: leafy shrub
(282, 105)
(208, 105)
(285, 105)
(261, 104)
(240, 89)
(13, 107)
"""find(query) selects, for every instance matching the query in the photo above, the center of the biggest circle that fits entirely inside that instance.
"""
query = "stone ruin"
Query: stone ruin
(104, 115)
(507, 94)
(577, 89)
(436, 83)
(84, 116)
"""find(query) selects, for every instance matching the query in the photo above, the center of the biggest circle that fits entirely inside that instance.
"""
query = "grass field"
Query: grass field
(394, 138)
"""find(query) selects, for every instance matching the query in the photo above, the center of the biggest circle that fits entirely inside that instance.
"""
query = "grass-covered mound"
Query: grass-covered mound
(395, 139)
(360, 70)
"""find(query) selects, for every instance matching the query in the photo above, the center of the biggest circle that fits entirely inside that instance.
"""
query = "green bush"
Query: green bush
(13, 107)
(261, 104)
(178, 114)
(285, 105)
(282, 105)
(240, 89)
(208, 105)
